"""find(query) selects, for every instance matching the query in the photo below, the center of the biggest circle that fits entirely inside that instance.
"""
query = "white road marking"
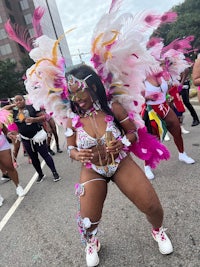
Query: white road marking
(19, 199)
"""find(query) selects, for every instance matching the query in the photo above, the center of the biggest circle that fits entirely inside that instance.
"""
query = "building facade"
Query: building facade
(20, 12)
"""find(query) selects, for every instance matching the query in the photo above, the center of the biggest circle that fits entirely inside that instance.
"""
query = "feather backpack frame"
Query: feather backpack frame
(122, 60)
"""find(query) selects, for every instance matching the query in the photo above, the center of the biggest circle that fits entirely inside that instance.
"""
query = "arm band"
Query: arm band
(124, 119)
(69, 132)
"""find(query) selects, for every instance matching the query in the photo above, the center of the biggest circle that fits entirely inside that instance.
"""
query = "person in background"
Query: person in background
(177, 105)
(155, 95)
(5, 177)
(49, 126)
(33, 136)
(16, 143)
(98, 137)
(185, 83)
(196, 75)
(6, 160)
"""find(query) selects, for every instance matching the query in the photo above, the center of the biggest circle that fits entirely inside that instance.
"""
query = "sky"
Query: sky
(84, 15)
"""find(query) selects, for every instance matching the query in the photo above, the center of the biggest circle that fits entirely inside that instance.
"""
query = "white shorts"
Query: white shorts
(4, 144)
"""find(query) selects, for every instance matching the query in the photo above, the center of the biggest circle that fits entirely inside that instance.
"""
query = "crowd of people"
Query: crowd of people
(25, 126)
(101, 109)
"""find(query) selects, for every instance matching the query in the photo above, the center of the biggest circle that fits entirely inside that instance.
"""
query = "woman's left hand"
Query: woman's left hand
(29, 120)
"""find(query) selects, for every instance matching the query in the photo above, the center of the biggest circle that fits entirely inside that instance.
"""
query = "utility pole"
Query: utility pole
(80, 54)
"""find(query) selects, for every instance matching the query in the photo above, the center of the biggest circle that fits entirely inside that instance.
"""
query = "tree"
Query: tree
(11, 79)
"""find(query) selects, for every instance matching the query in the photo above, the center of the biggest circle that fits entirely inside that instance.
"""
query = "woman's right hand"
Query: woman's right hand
(84, 155)
(12, 135)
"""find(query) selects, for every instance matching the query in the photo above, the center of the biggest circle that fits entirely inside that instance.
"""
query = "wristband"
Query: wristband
(134, 132)
(125, 141)
(69, 148)
(69, 132)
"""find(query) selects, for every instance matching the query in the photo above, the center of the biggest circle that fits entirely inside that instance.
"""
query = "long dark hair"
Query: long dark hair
(95, 88)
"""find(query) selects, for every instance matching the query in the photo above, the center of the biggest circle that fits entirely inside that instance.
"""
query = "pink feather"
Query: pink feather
(181, 45)
(4, 115)
(115, 5)
(37, 16)
(19, 34)
(168, 17)
(153, 41)
(149, 148)
(12, 127)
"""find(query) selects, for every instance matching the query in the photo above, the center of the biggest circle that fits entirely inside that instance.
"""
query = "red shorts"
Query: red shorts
(161, 109)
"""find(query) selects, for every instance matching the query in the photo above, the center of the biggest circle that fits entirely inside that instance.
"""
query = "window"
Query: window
(8, 4)
(12, 18)
(3, 34)
(28, 19)
(24, 4)
(5, 50)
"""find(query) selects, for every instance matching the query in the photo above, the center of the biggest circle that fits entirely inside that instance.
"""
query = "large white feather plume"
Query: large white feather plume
(121, 58)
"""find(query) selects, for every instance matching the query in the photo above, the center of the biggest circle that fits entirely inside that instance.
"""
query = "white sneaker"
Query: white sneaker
(1, 200)
(20, 191)
(184, 157)
(167, 138)
(92, 249)
(184, 131)
(148, 172)
(164, 243)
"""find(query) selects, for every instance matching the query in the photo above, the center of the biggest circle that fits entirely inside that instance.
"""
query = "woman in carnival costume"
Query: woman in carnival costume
(173, 63)
(107, 127)
(106, 158)
(6, 125)
(101, 113)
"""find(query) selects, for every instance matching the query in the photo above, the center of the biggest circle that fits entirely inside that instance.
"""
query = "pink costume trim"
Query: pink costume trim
(12, 127)
(148, 148)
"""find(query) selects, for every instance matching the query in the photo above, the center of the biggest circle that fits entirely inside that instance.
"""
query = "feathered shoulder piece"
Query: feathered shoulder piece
(46, 79)
(6, 118)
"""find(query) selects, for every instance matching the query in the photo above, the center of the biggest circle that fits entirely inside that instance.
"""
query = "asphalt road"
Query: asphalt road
(40, 229)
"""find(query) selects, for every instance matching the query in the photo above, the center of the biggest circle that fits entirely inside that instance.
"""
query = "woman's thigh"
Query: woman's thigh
(29, 149)
(132, 181)
(6, 159)
(95, 191)
(172, 122)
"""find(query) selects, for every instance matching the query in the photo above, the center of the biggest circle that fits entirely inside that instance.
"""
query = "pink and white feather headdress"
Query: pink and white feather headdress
(173, 56)
(123, 62)
(120, 56)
